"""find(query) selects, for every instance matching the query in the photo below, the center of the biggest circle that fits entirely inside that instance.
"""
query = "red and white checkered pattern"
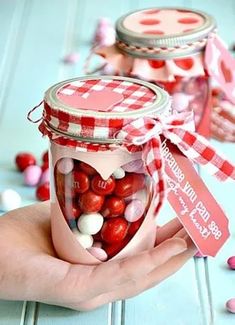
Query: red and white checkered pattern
(143, 134)
(176, 128)
(136, 97)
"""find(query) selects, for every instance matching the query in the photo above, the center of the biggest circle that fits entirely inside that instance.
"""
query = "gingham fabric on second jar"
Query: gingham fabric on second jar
(135, 96)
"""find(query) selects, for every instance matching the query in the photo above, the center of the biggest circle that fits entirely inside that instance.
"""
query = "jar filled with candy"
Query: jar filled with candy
(167, 46)
(102, 198)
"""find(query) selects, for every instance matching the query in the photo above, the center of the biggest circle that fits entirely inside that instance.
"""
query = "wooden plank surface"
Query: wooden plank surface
(35, 35)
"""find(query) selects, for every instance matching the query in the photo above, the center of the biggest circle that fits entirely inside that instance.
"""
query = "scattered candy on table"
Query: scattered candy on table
(23, 160)
(230, 305)
(34, 175)
(104, 33)
(45, 176)
(43, 192)
(9, 200)
(71, 58)
(231, 262)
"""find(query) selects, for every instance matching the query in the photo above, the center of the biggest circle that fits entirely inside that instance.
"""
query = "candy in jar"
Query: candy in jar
(113, 142)
(99, 186)
(178, 49)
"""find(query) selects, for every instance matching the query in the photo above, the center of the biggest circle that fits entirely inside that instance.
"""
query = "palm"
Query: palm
(30, 269)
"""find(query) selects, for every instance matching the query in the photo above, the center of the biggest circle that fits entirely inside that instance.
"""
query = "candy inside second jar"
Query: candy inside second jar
(103, 213)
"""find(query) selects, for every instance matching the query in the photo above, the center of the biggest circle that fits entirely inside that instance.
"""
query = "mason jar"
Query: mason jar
(101, 196)
(166, 46)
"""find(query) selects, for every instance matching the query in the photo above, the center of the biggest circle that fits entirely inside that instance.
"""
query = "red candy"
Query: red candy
(102, 187)
(87, 169)
(91, 202)
(134, 226)
(45, 166)
(114, 249)
(113, 207)
(71, 211)
(43, 192)
(81, 182)
(84, 191)
(129, 185)
(114, 230)
(45, 157)
(23, 160)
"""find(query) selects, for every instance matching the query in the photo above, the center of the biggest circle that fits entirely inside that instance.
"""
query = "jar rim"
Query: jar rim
(193, 41)
(161, 102)
(82, 124)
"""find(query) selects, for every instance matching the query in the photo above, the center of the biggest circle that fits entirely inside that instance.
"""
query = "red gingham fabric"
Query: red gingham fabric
(176, 128)
(136, 96)
(143, 134)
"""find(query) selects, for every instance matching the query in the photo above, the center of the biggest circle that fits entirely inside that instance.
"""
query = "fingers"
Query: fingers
(168, 230)
(136, 287)
(110, 275)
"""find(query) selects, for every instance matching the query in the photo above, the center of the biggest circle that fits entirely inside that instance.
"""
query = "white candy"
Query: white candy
(90, 223)
(86, 241)
(9, 200)
(119, 173)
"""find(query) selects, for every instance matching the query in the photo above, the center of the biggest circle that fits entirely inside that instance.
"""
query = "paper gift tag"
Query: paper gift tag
(221, 66)
(198, 211)
(96, 100)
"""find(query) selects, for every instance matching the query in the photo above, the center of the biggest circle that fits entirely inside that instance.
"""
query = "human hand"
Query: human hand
(30, 269)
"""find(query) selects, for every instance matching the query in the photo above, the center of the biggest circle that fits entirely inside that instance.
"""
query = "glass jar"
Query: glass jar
(166, 46)
(101, 197)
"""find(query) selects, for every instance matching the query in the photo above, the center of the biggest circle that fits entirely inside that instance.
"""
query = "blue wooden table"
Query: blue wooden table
(35, 36)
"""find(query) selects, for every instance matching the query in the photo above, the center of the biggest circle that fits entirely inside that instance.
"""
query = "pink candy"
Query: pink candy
(97, 244)
(135, 166)
(231, 262)
(105, 33)
(45, 177)
(71, 58)
(65, 165)
(32, 175)
(134, 210)
(99, 253)
(230, 305)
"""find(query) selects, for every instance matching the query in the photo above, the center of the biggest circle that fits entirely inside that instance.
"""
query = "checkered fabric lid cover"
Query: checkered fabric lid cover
(98, 107)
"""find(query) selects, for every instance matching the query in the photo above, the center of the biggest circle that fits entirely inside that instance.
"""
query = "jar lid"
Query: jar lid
(164, 32)
(97, 107)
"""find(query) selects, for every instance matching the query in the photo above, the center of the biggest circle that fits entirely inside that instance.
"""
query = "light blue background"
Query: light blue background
(34, 37)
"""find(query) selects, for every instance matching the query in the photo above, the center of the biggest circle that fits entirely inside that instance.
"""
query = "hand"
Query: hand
(30, 269)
